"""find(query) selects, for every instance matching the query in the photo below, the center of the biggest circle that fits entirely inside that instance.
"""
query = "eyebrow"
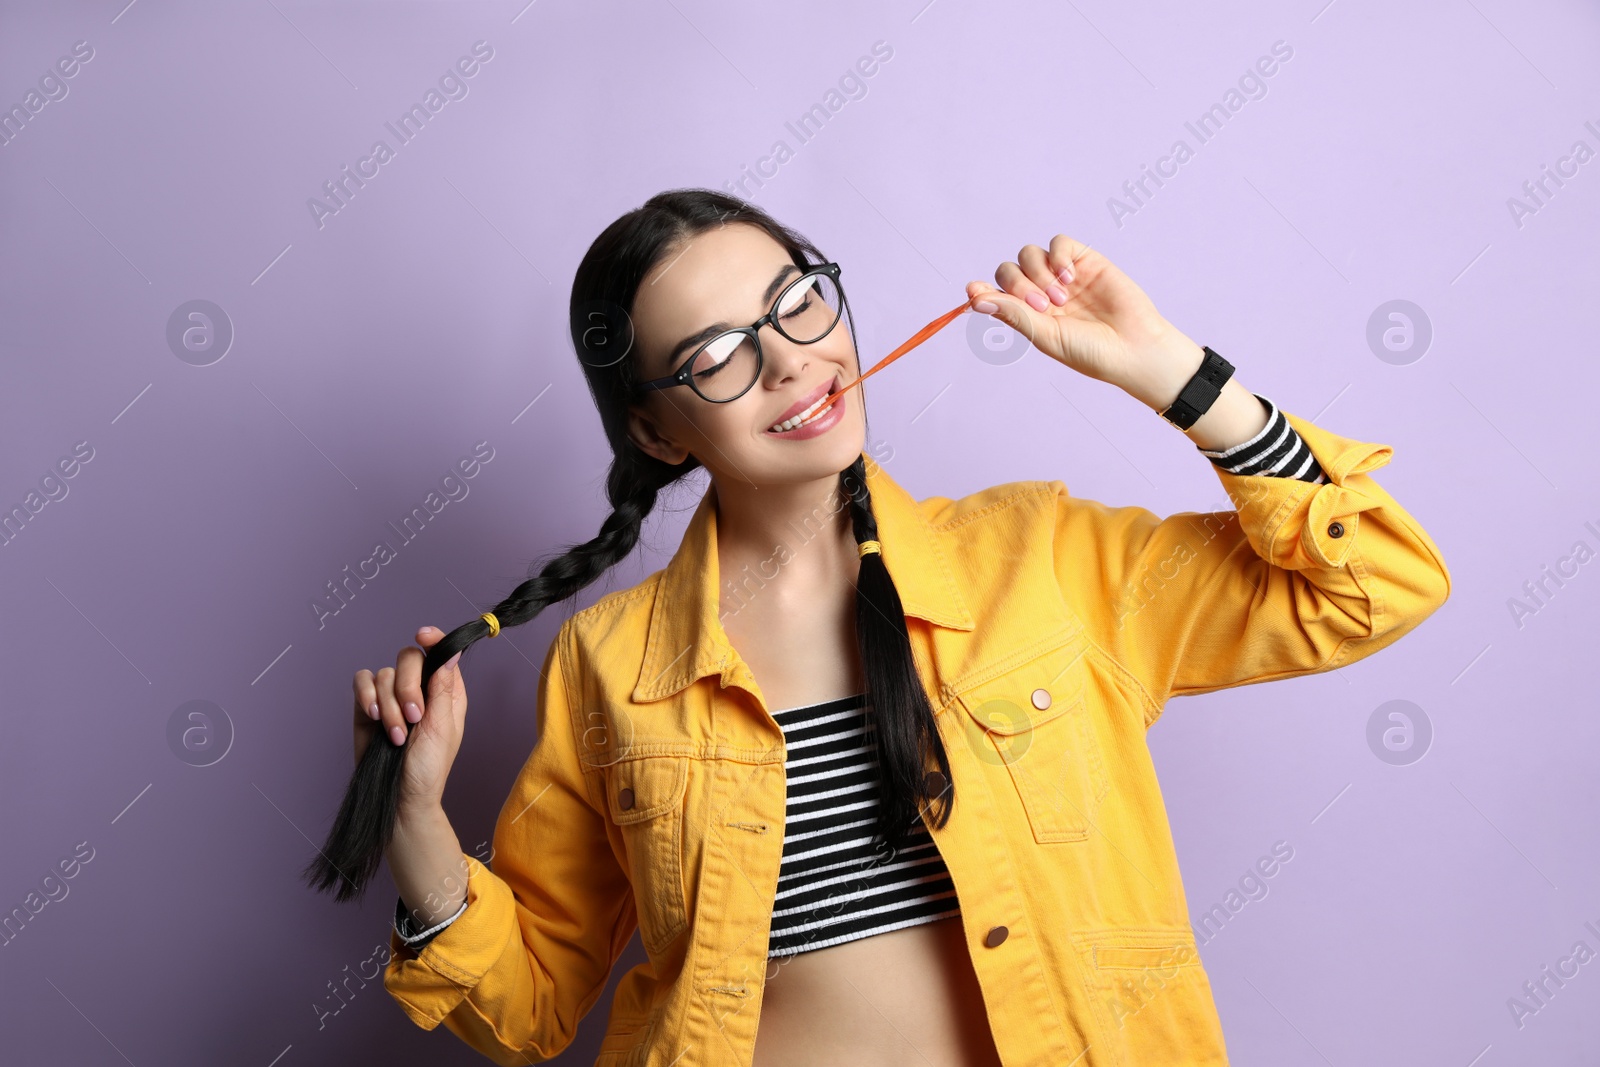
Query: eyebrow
(695, 339)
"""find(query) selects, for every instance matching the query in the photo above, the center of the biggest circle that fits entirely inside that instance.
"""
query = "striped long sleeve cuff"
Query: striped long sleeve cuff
(414, 938)
(1277, 451)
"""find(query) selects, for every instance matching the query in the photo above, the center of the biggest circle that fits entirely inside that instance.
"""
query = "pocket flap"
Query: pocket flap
(1140, 948)
(1008, 696)
(1144, 957)
(640, 789)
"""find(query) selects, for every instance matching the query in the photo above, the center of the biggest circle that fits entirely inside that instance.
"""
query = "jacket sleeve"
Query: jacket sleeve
(1300, 578)
(516, 971)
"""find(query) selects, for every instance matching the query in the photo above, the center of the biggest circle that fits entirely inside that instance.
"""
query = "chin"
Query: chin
(843, 452)
(840, 450)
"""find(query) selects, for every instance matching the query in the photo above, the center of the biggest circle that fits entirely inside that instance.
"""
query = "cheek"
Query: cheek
(838, 344)
(726, 422)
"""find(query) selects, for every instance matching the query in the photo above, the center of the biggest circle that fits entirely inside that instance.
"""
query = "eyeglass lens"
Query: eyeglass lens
(726, 365)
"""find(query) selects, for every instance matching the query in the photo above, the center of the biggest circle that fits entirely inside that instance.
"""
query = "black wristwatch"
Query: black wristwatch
(1200, 392)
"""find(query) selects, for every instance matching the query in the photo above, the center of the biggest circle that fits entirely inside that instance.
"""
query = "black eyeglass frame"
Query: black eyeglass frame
(683, 376)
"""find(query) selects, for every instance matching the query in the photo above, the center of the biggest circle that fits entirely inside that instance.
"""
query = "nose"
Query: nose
(782, 359)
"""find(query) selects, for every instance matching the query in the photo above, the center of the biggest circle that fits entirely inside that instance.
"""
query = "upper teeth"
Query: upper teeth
(802, 417)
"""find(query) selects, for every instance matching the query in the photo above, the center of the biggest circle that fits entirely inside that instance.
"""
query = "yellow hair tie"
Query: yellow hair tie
(869, 546)
(494, 623)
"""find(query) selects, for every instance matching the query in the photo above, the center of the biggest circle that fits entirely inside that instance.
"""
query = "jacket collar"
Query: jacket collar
(686, 639)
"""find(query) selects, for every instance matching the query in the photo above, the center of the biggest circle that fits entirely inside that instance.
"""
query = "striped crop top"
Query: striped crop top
(834, 883)
(832, 886)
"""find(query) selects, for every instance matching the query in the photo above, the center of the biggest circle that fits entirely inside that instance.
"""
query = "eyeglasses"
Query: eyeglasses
(725, 367)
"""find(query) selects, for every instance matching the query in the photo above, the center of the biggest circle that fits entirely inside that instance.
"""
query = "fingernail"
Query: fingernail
(397, 734)
(413, 713)
(372, 712)
(985, 307)
(1066, 275)
(1057, 294)
(1037, 302)
(451, 662)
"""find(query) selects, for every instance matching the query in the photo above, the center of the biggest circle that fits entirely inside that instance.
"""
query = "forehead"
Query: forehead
(718, 275)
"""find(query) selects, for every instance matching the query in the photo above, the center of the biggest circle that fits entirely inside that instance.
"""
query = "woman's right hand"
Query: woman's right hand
(438, 721)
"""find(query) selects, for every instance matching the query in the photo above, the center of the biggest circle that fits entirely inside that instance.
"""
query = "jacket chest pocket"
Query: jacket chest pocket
(645, 799)
(1036, 718)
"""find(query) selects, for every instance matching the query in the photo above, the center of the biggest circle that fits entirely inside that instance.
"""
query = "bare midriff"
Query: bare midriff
(906, 997)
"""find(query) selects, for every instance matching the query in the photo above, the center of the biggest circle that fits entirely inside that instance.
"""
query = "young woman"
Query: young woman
(868, 774)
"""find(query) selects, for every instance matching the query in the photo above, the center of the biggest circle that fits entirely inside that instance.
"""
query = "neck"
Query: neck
(796, 537)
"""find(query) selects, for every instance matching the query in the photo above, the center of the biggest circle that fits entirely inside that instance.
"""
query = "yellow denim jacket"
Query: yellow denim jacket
(1049, 631)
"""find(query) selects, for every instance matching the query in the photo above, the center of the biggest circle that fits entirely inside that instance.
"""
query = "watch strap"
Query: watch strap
(1200, 392)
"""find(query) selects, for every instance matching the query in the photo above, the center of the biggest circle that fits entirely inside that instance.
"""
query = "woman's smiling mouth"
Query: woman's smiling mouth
(808, 422)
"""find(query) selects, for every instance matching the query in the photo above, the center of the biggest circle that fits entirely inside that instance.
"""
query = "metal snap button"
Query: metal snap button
(1041, 698)
(995, 936)
(625, 799)
(935, 781)
(1336, 529)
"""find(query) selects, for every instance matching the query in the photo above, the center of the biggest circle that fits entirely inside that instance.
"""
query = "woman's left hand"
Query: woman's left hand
(1076, 307)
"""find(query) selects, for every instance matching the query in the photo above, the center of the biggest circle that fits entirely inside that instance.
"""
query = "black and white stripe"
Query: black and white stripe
(835, 884)
(832, 886)
(415, 939)
(1277, 451)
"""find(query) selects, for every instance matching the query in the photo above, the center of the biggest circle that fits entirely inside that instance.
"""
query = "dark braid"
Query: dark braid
(365, 823)
(901, 714)
(632, 491)
(599, 318)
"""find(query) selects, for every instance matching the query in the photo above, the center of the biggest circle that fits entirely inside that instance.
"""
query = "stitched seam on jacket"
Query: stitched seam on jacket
(1415, 535)
(1048, 489)
(1376, 609)
(1275, 522)
(416, 1009)
(1003, 502)
(590, 776)
(443, 967)
(566, 653)
(1045, 645)
(949, 580)
(1152, 708)
(520, 1050)
(618, 598)
(707, 1006)
(1097, 935)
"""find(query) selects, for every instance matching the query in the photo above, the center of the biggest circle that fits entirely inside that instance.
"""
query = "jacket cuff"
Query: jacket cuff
(429, 984)
(414, 938)
(1298, 525)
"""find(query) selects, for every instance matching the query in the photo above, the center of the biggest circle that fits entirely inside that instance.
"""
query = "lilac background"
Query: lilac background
(429, 314)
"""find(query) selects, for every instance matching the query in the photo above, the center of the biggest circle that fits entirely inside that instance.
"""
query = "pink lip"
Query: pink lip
(804, 402)
(830, 417)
